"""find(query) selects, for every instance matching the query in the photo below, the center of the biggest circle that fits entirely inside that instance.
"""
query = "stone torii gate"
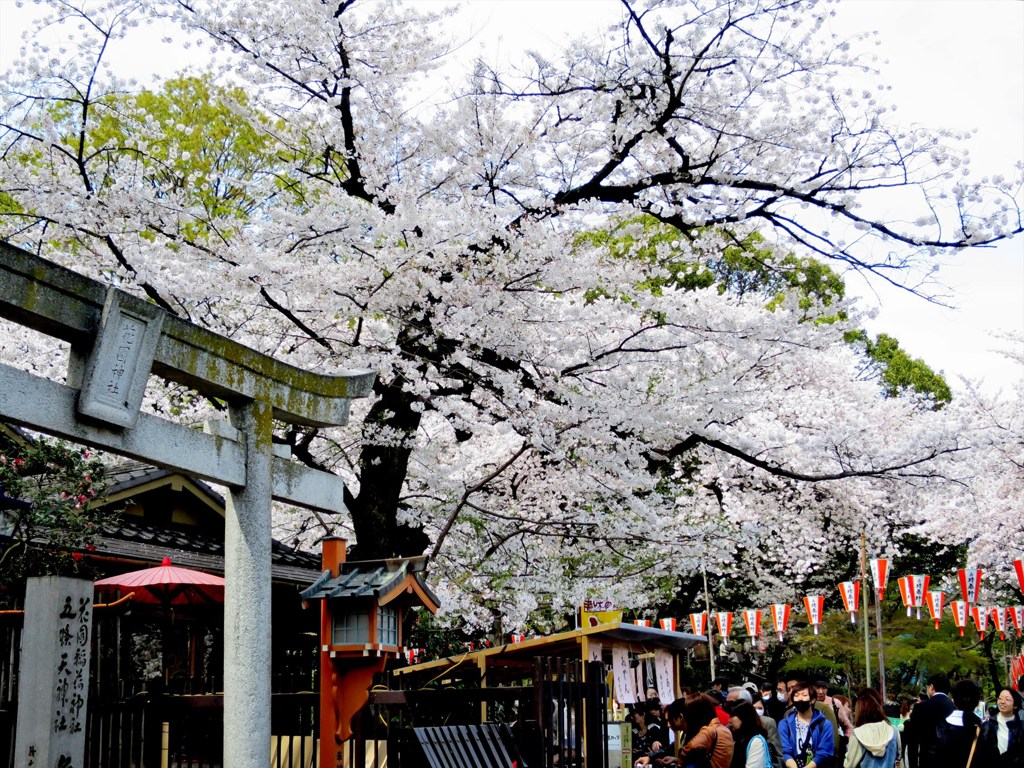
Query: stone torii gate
(116, 341)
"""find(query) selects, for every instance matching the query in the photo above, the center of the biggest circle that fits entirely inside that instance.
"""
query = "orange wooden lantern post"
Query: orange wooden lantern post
(362, 606)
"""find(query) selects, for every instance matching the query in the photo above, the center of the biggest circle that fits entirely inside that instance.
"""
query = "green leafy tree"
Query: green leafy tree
(211, 146)
(898, 372)
(747, 266)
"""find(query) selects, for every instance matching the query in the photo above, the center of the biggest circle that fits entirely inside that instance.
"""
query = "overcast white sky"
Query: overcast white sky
(951, 63)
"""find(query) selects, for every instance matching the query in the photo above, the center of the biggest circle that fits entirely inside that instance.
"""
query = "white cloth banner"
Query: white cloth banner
(663, 671)
(594, 651)
(625, 685)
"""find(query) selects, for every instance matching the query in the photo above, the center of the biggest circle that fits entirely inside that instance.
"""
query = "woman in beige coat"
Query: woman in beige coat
(875, 743)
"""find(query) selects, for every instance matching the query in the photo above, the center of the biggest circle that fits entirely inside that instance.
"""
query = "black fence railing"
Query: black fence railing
(557, 720)
(188, 732)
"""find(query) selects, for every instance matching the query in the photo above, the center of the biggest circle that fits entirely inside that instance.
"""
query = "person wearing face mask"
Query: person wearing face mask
(736, 695)
(807, 736)
(773, 701)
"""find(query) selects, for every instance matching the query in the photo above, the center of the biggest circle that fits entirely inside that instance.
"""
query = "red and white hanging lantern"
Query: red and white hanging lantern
(642, 622)
(1016, 613)
(669, 625)
(1018, 566)
(850, 592)
(815, 607)
(980, 615)
(699, 623)
(935, 601)
(999, 620)
(970, 584)
(906, 592)
(780, 617)
(960, 611)
(879, 574)
(518, 638)
(912, 590)
(724, 621)
(752, 620)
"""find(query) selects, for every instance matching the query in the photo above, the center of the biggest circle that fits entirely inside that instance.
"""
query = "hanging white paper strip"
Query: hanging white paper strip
(625, 685)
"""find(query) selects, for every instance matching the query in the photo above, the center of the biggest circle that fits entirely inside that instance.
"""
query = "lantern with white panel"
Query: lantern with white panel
(980, 615)
(752, 621)
(1016, 614)
(912, 590)
(699, 623)
(970, 584)
(850, 592)
(960, 611)
(780, 618)
(935, 601)
(880, 575)
(724, 621)
(815, 607)
(999, 620)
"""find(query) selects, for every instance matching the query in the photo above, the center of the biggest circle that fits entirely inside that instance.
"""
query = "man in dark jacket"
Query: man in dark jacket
(923, 720)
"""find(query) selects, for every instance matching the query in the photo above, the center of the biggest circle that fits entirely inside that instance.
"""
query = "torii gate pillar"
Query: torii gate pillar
(247, 546)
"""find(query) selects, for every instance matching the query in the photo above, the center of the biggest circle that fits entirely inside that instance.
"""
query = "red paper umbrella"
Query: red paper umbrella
(167, 585)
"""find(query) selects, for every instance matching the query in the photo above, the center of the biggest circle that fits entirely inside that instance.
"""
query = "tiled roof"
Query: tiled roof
(367, 578)
(125, 475)
(130, 538)
(186, 545)
(134, 540)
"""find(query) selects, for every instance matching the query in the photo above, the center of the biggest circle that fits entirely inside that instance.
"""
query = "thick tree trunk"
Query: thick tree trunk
(383, 468)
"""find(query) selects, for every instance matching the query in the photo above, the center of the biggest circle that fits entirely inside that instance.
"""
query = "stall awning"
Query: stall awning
(639, 639)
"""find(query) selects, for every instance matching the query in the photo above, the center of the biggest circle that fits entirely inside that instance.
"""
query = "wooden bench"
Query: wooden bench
(469, 746)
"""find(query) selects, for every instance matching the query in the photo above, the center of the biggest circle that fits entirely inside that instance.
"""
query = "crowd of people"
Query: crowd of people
(797, 724)
(947, 729)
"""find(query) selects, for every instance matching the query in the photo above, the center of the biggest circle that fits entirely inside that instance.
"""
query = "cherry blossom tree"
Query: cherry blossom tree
(551, 416)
